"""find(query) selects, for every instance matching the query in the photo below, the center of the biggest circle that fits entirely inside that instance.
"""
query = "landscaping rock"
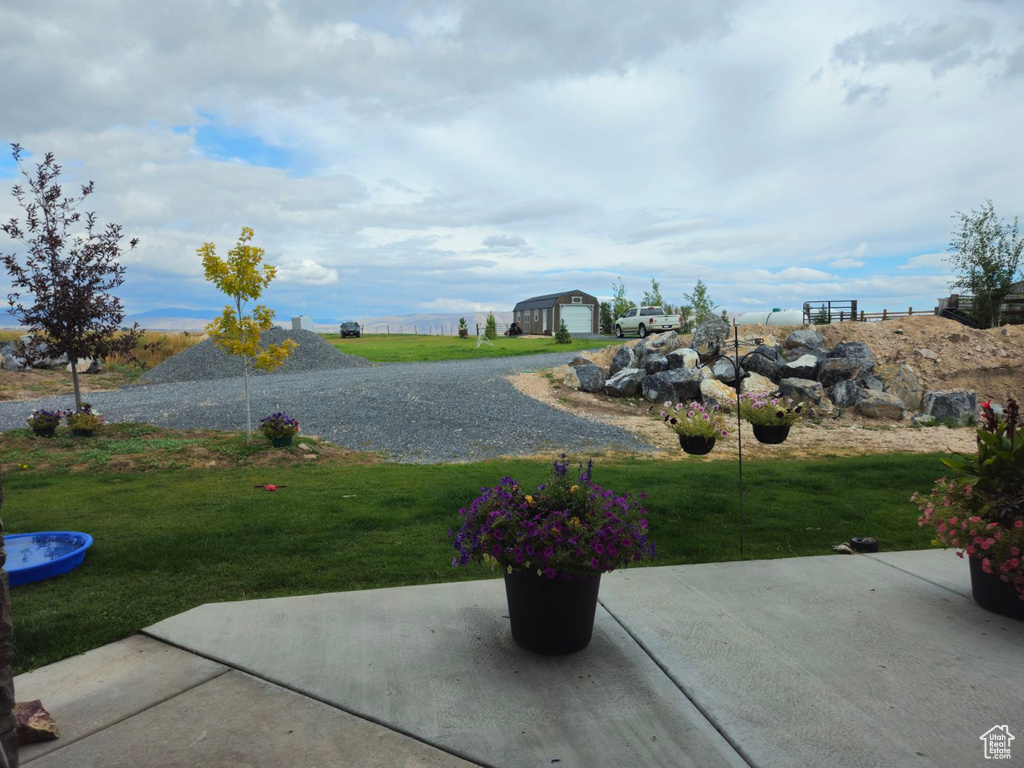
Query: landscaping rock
(682, 358)
(724, 370)
(755, 382)
(716, 393)
(804, 338)
(591, 378)
(709, 337)
(901, 380)
(875, 404)
(580, 360)
(836, 369)
(681, 384)
(90, 365)
(872, 382)
(858, 350)
(804, 390)
(655, 363)
(663, 343)
(623, 359)
(844, 393)
(33, 723)
(12, 363)
(764, 361)
(959, 405)
(928, 354)
(625, 383)
(924, 420)
(805, 367)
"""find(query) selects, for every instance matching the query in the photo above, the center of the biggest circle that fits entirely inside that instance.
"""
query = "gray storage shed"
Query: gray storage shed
(542, 314)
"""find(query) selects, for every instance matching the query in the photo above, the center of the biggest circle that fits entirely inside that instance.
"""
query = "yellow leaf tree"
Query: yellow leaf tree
(240, 277)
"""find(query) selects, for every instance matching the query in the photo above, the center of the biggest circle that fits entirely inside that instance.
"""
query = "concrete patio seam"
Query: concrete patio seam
(128, 716)
(321, 700)
(682, 689)
(917, 576)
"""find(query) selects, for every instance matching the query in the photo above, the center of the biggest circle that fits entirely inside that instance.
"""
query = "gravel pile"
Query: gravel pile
(206, 361)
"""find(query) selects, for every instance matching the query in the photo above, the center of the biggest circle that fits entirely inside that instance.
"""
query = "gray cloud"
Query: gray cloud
(504, 241)
(942, 46)
(871, 95)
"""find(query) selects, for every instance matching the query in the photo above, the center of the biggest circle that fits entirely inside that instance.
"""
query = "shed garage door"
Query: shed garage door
(579, 318)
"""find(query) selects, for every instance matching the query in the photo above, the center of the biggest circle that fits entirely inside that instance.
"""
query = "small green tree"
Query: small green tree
(562, 336)
(685, 313)
(491, 328)
(703, 306)
(606, 318)
(240, 277)
(985, 253)
(619, 301)
(463, 328)
(653, 296)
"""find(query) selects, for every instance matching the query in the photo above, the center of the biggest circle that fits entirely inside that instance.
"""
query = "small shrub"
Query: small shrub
(562, 336)
(491, 329)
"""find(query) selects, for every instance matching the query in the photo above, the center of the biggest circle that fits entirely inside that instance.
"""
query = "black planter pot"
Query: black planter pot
(83, 432)
(771, 434)
(551, 616)
(697, 446)
(44, 432)
(994, 594)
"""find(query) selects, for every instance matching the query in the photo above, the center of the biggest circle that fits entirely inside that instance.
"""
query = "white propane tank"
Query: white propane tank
(775, 317)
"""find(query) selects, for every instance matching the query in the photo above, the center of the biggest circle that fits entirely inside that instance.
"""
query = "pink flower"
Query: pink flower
(1018, 523)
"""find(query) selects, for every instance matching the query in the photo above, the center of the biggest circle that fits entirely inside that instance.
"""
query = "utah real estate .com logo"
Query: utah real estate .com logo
(997, 742)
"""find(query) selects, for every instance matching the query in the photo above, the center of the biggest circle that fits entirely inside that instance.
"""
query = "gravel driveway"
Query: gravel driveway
(454, 410)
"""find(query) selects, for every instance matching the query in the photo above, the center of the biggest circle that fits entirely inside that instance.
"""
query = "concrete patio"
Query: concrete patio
(869, 660)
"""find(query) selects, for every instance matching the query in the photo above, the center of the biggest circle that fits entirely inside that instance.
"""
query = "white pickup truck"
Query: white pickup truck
(645, 320)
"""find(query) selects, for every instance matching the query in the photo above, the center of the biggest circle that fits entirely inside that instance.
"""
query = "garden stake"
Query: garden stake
(737, 363)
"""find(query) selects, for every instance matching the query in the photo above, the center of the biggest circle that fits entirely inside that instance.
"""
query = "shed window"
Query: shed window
(519, 317)
(536, 315)
(577, 299)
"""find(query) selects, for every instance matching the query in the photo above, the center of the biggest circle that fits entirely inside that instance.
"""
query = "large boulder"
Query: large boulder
(12, 363)
(723, 369)
(837, 369)
(623, 359)
(845, 393)
(802, 390)
(765, 361)
(88, 365)
(682, 358)
(804, 337)
(714, 392)
(901, 380)
(755, 382)
(655, 363)
(875, 404)
(590, 377)
(580, 360)
(710, 337)
(805, 367)
(663, 343)
(680, 385)
(625, 383)
(857, 350)
(959, 405)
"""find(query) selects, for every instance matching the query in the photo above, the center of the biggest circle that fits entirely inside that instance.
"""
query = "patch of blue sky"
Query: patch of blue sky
(222, 142)
(8, 168)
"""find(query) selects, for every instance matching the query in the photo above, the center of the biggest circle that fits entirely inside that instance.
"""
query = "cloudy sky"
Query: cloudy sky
(457, 156)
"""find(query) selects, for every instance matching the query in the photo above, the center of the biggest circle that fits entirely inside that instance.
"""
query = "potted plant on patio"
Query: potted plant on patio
(84, 421)
(553, 544)
(463, 328)
(698, 426)
(770, 415)
(980, 511)
(44, 423)
(279, 429)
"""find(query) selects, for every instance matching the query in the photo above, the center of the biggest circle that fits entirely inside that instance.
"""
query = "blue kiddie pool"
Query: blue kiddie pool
(37, 556)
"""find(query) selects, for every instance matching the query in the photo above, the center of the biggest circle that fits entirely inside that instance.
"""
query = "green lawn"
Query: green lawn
(167, 541)
(413, 349)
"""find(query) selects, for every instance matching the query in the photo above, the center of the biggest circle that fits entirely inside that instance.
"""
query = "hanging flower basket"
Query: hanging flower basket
(696, 445)
(771, 434)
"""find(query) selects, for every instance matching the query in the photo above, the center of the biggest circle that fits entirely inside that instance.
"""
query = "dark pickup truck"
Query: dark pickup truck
(350, 329)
